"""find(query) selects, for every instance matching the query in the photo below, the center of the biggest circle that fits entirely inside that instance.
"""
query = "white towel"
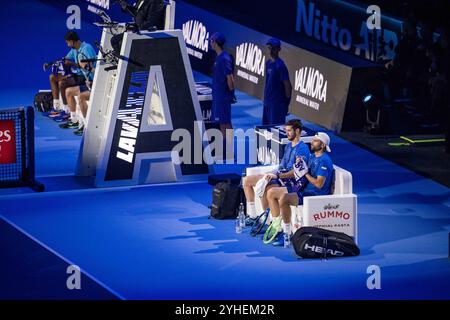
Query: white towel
(300, 169)
(260, 187)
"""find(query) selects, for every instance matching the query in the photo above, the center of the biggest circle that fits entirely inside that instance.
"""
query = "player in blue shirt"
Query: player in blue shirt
(222, 88)
(81, 80)
(284, 175)
(277, 91)
(78, 51)
(319, 173)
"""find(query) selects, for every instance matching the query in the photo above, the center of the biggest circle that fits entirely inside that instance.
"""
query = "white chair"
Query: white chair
(336, 212)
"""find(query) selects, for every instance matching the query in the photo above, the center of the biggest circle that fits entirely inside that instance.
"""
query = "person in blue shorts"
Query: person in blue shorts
(222, 88)
(278, 88)
(284, 176)
(79, 50)
(223, 83)
(83, 78)
(319, 173)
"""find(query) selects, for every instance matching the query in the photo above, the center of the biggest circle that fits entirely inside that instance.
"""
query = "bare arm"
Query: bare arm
(230, 82)
(285, 175)
(317, 182)
(70, 63)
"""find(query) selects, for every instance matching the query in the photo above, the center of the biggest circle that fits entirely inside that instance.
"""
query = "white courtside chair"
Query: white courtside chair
(336, 212)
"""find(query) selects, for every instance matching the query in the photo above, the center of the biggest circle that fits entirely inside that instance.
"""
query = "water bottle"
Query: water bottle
(238, 225)
(287, 240)
(241, 216)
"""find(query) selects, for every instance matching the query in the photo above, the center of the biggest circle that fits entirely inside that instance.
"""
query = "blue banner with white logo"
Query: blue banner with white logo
(320, 84)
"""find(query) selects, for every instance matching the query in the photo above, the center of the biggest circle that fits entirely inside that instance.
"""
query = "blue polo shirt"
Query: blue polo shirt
(221, 94)
(276, 74)
(86, 51)
(320, 166)
(291, 153)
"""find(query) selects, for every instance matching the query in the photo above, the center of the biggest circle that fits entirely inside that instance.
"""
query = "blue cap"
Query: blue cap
(274, 42)
(218, 37)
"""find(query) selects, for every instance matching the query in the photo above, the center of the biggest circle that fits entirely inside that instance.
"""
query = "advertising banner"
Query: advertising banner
(320, 85)
(7, 142)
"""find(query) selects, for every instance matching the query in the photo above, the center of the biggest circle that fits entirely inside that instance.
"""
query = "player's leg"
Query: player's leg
(63, 85)
(83, 99)
(264, 200)
(273, 196)
(286, 201)
(71, 92)
(248, 184)
(54, 85)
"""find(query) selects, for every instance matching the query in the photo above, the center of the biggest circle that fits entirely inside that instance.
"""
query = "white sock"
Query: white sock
(251, 210)
(287, 228)
(80, 121)
(73, 117)
(65, 108)
(275, 220)
(56, 105)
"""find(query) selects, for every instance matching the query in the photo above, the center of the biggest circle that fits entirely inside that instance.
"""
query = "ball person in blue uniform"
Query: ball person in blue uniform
(278, 88)
(222, 86)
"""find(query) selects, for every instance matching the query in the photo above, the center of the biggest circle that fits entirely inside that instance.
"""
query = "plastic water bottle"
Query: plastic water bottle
(287, 240)
(241, 216)
(238, 225)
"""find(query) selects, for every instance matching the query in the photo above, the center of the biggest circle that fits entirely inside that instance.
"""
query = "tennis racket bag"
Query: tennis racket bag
(313, 243)
(43, 101)
(226, 198)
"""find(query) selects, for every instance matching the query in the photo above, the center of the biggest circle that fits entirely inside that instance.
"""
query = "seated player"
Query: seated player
(79, 50)
(295, 148)
(77, 120)
(86, 70)
(319, 175)
(59, 72)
